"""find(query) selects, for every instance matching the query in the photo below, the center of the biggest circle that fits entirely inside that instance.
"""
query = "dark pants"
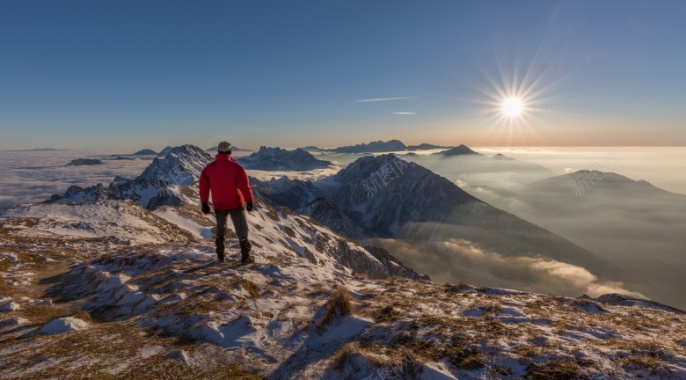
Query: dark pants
(240, 225)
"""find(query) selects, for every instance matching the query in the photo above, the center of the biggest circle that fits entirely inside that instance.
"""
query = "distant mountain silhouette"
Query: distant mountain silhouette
(312, 148)
(145, 152)
(426, 146)
(373, 147)
(458, 151)
(281, 159)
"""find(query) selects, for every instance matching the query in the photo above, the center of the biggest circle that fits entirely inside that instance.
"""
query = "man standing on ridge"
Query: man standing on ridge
(231, 196)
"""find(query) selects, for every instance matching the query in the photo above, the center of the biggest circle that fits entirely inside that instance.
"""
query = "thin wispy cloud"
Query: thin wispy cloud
(383, 99)
(250, 129)
(404, 113)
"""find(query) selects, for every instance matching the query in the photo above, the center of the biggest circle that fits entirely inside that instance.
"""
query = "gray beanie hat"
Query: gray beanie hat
(224, 147)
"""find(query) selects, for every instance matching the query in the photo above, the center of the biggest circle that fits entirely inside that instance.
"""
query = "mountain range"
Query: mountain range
(281, 159)
(123, 287)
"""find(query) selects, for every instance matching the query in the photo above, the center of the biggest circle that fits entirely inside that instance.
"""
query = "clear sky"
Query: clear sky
(136, 74)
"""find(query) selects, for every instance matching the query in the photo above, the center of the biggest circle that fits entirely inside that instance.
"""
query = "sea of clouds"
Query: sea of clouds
(33, 177)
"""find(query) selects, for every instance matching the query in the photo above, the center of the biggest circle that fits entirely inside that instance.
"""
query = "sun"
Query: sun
(514, 98)
(513, 106)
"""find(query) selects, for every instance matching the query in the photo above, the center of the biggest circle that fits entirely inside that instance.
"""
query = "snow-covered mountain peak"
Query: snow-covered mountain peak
(383, 193)
(182, 165)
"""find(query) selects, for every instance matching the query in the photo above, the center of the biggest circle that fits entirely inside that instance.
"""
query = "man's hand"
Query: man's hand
(249, 207)
(205, 208)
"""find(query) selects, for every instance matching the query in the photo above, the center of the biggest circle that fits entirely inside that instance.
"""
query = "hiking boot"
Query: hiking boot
(220, 249)
(245, 252)
(219, 242)
(245, 246)
(247, 259)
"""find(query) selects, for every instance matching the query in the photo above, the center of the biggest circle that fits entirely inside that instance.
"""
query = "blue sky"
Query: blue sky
(135, 74)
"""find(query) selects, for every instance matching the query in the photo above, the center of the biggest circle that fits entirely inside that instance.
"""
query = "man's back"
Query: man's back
(227, 181)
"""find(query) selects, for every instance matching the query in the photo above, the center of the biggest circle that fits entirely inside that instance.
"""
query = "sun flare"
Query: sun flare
(514, 102)
(513, 106)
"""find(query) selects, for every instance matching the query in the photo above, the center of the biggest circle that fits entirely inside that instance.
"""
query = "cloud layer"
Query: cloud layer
(459, 260)
(32, 177)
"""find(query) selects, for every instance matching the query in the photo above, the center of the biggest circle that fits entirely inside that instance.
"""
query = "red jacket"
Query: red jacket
(228, 181)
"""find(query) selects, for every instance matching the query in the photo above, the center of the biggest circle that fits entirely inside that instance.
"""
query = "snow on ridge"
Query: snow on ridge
(121, 220)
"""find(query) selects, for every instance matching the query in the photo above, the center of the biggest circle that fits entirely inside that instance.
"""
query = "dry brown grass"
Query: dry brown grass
(461, 353)
(559, 369)
(339, 305)
(84, 316)
(385, 314)
(273, 215)
(654, 365)
(40, 314)
(250, 287)
(341, 356)
(289, 231)
(401, 363)
(167, 369)
(465, 356)
(5, 264)
(6, 290)
(525, 351)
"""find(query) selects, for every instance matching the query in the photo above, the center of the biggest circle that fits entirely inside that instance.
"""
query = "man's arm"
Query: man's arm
(204, 187)
(244, 185)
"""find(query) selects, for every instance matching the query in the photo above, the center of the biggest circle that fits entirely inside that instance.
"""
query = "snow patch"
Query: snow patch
(10, 306)
(62, 325)
(12, 322)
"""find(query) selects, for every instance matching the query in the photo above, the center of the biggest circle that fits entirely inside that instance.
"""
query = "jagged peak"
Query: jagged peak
(182, 165)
